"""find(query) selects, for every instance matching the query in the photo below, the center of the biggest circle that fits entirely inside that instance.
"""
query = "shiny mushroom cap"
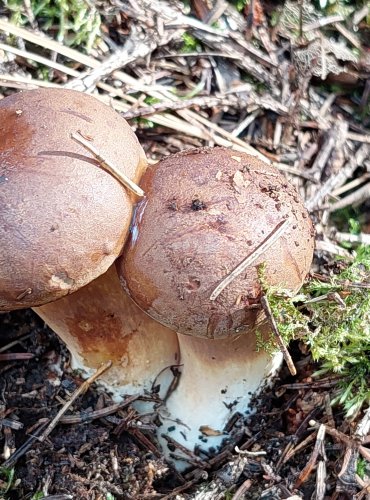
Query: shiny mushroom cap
(63, 219)
(206, 211)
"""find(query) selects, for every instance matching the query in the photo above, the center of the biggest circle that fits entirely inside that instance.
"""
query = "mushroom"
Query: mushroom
(63, 222)
(100, 322)
(210, 217)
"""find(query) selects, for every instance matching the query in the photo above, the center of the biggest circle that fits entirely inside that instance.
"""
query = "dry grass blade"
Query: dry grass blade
(88, 416)
(16, 356)
(338, 179)
(354, 199)
(108, 166)
(280, 342)
(192, 123)
(273, 236)
(318, 450)
(25, 447)
(47, 43)
(39, 59)
(25, 83)
(358, 239)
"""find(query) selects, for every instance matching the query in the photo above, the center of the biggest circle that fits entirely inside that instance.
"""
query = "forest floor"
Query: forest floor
(286, 81)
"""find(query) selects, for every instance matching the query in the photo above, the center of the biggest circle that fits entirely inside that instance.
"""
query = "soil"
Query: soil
(93, 459)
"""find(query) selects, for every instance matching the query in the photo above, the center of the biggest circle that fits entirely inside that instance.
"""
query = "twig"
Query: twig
(295, 171)
(349, 35)
(16, 356)
(320, 480)
(326, 383)
(361, 238)
(62, 496)
(108, 166)
(340, 178)
(224, 479)
(270, 239)
(80, 390)
(13, 424)
(13, 459)
(361, 14)
(318, 450)
(134, 48)
(351, 185)
(88, 416)
(238, 101)
(243, 488)
(290, 452)
(159, 107)
(144, 441)
(15, 342)
(200, 476)
(329, 410)
(191, 456)
(248, 453)
(330, 247)
(365, 485)
(353, 199)
(270, 317)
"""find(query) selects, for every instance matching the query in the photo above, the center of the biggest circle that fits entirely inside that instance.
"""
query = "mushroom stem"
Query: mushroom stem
(218, 379)
(100, 322)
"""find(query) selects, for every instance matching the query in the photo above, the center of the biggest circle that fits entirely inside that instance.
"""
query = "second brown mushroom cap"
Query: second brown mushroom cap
(206, 211)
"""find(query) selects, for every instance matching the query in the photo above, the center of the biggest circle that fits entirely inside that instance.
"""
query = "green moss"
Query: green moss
(190, 44)
(8, 477)
(239, 4)
(38, 496)
(78, 21)
(361, 467)
(333, 319)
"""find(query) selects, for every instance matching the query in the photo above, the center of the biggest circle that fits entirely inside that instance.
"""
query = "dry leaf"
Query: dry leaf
(208, 431)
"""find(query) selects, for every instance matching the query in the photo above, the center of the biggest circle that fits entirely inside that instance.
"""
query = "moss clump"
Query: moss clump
(333, 319)
(78, 21)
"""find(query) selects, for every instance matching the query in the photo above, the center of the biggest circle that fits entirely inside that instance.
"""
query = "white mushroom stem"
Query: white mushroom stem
(100, 322)
(218, 378)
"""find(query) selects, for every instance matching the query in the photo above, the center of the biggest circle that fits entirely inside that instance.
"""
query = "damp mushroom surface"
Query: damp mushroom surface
(63, 222)
(209, 219)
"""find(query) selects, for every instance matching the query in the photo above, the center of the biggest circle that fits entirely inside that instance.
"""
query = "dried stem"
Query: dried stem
(275, 234)
(108, 166)
(266, 307)
(80, 390)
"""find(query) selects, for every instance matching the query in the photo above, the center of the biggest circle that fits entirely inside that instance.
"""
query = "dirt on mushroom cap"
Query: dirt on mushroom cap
(63, 219)
(206, 211)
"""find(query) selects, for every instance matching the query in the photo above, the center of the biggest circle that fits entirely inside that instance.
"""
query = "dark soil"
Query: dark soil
(90, 460)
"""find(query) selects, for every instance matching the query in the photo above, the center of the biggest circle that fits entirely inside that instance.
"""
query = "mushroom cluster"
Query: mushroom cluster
(184, 290)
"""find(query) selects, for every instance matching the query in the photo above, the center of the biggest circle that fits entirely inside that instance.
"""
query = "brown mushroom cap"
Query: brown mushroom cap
(63, 219)
(205, 212)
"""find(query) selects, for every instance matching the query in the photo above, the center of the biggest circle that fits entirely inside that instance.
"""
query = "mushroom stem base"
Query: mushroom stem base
(218, 379)
(100, 322)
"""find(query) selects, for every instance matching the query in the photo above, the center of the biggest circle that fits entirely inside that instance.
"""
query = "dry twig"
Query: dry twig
(78, 392)
(108, 166)
(270, 239)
